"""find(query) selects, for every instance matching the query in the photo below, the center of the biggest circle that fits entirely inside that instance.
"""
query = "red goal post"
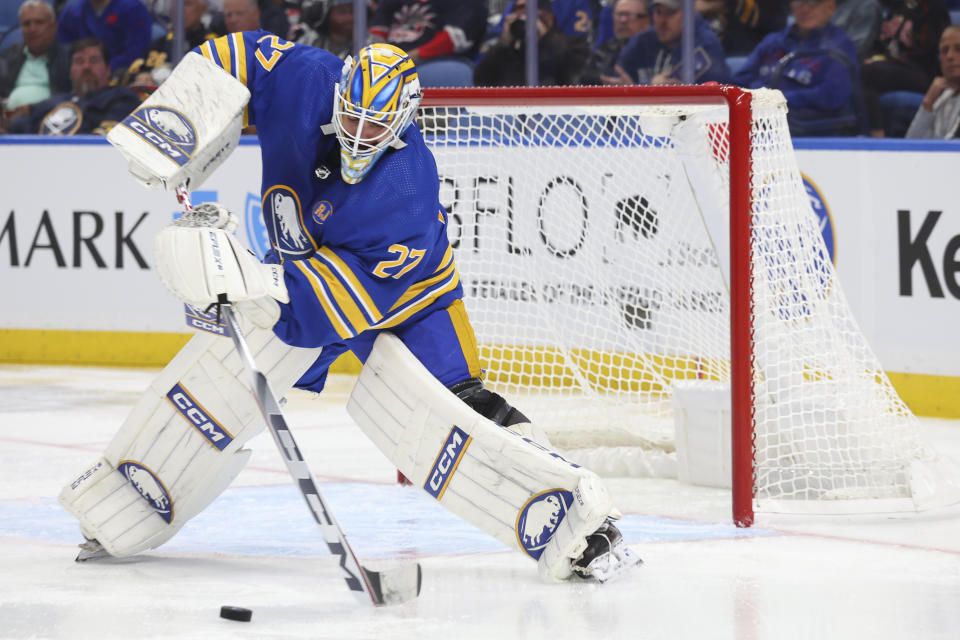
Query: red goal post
(464, 122)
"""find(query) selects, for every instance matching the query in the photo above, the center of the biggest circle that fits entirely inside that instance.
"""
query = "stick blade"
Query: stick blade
(395, 585)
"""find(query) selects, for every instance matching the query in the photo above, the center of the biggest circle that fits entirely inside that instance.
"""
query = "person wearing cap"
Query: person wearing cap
(655, 56)
(814, 63)
(561, 57)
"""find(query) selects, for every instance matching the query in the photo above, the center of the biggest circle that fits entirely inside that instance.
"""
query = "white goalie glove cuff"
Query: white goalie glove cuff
(262, 312)
(198, 264)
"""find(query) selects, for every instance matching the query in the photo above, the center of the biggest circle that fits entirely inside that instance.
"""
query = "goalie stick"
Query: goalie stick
(388, 586)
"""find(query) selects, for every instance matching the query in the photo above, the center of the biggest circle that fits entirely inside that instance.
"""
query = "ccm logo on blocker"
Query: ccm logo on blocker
(169, 131)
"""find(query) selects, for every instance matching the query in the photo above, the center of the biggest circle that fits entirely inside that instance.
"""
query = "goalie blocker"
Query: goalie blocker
(173, 137)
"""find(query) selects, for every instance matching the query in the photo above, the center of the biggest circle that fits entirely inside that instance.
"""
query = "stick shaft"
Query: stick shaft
(381, 587)
(356, 577)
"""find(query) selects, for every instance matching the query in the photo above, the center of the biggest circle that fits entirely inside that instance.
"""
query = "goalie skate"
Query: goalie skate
(606, 556)
(90, 549)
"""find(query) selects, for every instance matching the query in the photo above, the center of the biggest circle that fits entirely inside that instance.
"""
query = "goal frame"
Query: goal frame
(738, 103)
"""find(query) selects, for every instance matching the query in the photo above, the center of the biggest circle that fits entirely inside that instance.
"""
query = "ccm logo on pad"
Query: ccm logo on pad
(199, 319)
(199, 418)
(446, 463)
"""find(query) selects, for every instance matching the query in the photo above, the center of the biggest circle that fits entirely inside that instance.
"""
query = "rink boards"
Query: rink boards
(76, 252)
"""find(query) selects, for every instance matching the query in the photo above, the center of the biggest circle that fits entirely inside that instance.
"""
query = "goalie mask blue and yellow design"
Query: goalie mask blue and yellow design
(374, 103)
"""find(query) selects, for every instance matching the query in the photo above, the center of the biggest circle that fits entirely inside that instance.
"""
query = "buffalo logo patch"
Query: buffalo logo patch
(539, 519)
(149, 486)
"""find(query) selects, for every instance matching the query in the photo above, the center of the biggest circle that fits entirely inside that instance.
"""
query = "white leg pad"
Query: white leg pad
(181, 445)
(591, 505)
(506, 484)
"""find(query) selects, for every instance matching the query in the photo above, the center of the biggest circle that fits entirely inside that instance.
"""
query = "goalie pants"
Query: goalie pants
(442, 339)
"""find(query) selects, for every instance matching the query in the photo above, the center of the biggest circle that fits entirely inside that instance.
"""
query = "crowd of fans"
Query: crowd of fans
(846, 67)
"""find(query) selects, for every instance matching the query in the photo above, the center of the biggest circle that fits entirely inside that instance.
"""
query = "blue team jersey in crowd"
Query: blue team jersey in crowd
(123, 25)
(371, 255)
(644, 57)
(814, 71)
(574, 17)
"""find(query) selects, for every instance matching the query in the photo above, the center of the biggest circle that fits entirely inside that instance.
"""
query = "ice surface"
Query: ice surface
(257, 547)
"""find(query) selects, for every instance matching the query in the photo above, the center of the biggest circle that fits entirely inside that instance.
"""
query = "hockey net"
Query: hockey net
(592, 230)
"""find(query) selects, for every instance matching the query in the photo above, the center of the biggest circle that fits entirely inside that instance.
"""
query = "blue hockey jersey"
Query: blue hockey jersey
(644, 57)
(814, 70)
(371, 255)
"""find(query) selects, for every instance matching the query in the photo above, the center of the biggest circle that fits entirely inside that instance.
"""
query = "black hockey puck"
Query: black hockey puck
(236, 613)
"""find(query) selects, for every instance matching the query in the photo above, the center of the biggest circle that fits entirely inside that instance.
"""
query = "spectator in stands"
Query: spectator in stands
(250, 15)
(939, 114)
(714, 12)
(573, 17)
(630, 17)
(602, 21)
(426, 29)
(326, 24)
(742, 24)
(145, 74)
(33, 70)
(860, 19)
(814, 63)
(273, 17)
(750, 21)
(562, 57)
(905, 56)
(241, 15)
(122, 25)
(92, 107)
(655, 57)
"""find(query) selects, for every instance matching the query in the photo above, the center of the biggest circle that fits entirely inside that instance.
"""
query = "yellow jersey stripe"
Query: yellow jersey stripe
(223, 52)
(353, 282)
(466, 337)
(207, 52)
(420, 304)
(447, 257)
(338, 323)
(341, 296)
(239, 49)
(422, 286)
(240, 53)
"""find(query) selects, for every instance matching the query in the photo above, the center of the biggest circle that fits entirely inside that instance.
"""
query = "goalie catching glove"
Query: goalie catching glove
(198, 259)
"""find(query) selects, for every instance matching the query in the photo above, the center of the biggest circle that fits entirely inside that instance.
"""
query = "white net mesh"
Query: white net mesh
(593, 247)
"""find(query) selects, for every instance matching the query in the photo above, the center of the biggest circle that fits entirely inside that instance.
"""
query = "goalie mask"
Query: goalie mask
(374, 103)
